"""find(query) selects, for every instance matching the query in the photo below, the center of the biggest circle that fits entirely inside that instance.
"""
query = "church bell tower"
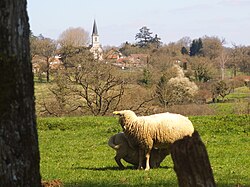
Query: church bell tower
(96, 48)
(95, 36)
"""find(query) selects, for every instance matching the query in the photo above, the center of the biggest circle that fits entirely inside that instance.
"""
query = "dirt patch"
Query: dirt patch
(53, 183)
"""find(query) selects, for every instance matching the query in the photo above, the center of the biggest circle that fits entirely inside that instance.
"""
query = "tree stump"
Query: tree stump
(191, 162)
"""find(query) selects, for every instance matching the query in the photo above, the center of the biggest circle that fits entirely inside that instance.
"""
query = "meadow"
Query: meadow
(75, 150)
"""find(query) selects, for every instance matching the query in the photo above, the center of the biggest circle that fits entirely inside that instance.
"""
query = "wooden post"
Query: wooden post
(191, 162)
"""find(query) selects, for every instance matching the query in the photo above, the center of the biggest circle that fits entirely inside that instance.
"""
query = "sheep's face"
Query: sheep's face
(124, 117)
(121, 118)
(121, 121)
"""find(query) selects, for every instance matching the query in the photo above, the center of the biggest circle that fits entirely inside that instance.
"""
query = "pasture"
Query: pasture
(75, 150)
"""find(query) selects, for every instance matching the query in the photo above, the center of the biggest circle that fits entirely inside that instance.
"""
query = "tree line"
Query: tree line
(182, 72)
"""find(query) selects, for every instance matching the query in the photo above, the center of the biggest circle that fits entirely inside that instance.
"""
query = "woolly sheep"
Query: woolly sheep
(158, 130)
(127, 151)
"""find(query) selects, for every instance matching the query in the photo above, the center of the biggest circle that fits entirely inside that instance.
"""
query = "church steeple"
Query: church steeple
(94, 29)
(95, 36)
(96, 48)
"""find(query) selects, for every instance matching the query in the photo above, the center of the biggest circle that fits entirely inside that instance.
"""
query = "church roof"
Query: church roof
(94, 29)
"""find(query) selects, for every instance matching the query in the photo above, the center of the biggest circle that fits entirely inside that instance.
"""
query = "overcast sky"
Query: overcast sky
(119, 21)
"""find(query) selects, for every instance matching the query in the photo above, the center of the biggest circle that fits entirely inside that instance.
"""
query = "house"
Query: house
(132, 61)
(113, 54)
(39, 64)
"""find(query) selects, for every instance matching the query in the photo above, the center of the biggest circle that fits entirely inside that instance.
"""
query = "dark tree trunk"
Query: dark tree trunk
(47, 69)
(191, 162)
(19, 153)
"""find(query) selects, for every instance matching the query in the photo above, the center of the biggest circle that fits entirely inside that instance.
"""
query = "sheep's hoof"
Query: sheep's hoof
(140, 168)
(147, 169)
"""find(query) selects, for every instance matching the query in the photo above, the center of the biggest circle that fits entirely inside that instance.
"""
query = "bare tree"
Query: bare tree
(239, 59)
(43, 49)
(19, 154)
(203, 69)
(75, 37)
(185, 42)
(86, 85)
(212, 47)
(223, 59)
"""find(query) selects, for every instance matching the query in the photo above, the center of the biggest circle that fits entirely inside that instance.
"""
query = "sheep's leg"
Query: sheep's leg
(141, 156)
(118, 161)
(147, 159)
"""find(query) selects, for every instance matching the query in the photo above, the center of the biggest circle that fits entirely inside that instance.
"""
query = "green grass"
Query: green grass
(75, 150)
(239, 93)
(236, 102)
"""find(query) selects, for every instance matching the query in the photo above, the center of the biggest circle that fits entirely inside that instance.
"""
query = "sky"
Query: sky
(119, 21)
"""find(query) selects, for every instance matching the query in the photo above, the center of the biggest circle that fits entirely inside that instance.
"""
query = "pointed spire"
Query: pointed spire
(94, 29)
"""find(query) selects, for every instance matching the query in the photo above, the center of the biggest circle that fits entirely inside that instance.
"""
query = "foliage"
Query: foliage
(127, 49)
(203, 69)
(177, 90)
(196, 47)
(74, 37)
(239, 59)
(156, 41)
(211, 47)
(146, 80)
(185, 41)
(75, 151)
(42, 50)
(75, 56)
(145, 38)
(184, 51)
(161, 90)
(220, 88)
(92, 86)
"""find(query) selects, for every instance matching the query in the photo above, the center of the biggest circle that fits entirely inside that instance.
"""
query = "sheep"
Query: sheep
(158, 130)
(127, 151)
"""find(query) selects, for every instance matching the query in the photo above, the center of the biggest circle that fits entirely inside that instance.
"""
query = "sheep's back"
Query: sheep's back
(167, 127)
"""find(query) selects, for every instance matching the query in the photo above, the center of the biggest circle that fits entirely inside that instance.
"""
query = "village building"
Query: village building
(95, 47)
(113, 55)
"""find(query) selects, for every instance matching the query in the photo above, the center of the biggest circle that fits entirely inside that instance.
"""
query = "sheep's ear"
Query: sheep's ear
(116, 113)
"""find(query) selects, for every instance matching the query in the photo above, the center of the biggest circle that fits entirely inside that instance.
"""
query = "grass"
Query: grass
(237, 102)
(75, 150)
(240, 93)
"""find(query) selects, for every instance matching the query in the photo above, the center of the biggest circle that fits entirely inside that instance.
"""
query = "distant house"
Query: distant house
(39, 64)
(132, 61)
(243, 78)
(138, 59)
(113, 54)
(55, 63)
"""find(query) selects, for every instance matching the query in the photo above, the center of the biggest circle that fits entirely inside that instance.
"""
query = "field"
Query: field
(75, 150)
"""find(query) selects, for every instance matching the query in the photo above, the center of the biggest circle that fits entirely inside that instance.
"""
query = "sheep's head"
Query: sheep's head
(124, 115)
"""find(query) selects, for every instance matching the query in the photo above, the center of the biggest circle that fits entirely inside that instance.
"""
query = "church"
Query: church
(95, 47)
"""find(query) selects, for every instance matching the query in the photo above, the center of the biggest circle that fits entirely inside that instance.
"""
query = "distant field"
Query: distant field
(237, 102)
(75, 150)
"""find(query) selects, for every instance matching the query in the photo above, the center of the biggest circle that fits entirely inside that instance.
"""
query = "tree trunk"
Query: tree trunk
(191, 162)
(19, 153)
(47, 69)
